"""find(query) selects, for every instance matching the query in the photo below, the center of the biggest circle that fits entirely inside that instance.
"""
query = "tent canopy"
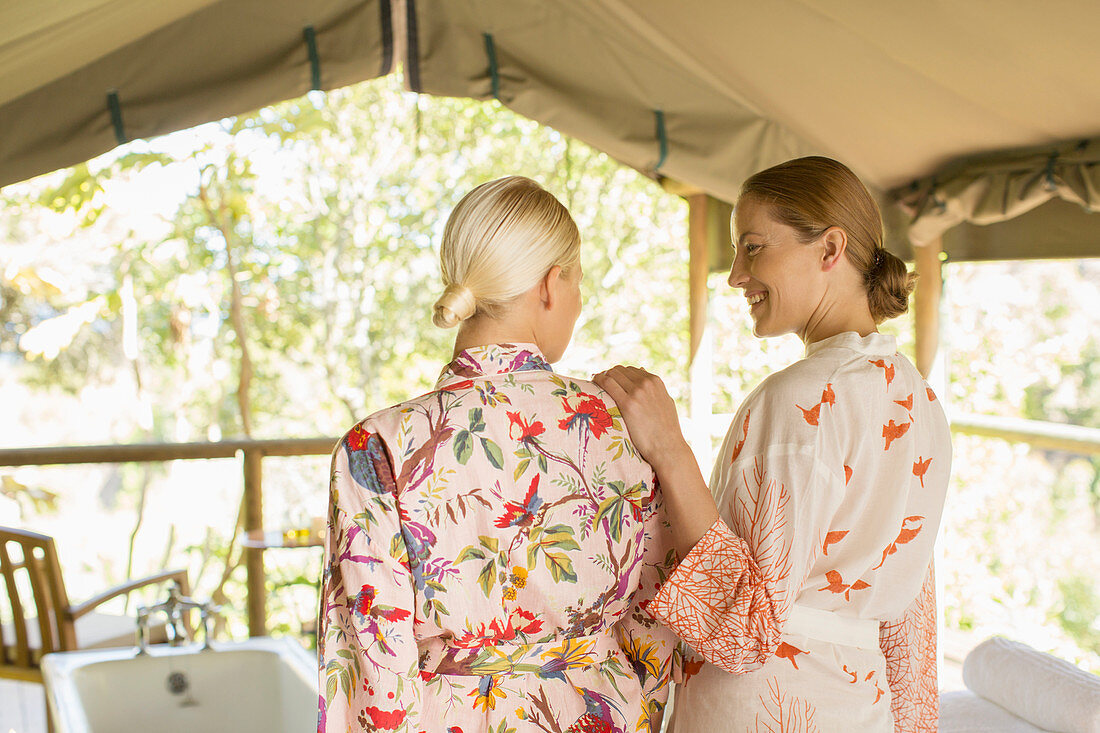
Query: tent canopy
(977, 121)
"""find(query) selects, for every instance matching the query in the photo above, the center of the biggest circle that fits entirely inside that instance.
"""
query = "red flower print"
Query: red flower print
(527, 431)
(357, 438)
(591, 412)
(385, 720)
(365, 599)
(499, 632)
(521, 514)
(533, 624)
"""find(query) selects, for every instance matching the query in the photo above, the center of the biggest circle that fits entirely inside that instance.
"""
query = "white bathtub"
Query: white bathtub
(262, 684)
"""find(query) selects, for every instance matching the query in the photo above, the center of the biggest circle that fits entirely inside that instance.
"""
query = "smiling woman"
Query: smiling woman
(791, 216)
(806, 581)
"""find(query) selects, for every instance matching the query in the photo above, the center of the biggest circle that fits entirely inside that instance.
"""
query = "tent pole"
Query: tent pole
(700, 207)
(929, 289)
(698, 266)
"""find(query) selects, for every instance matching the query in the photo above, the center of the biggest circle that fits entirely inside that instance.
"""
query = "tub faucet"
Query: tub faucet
(174, 608)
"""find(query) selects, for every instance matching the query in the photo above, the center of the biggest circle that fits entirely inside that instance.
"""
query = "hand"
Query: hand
(647, 409)
(654, 428)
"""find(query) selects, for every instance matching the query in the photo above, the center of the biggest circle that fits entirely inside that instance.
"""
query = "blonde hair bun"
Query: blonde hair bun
(499, 241)
(453, 307)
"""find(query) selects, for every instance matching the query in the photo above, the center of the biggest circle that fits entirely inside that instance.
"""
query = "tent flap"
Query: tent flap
(226, 58)
(579, 68)
(1050, 194)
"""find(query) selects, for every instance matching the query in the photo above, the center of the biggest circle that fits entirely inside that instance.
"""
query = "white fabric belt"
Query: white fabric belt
(831, 627)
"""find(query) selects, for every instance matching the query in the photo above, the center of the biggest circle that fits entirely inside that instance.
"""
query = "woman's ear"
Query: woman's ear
(548, 287)
(835, 241)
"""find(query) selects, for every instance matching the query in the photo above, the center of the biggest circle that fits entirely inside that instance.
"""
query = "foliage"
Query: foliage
(321, 218)
(299, 244)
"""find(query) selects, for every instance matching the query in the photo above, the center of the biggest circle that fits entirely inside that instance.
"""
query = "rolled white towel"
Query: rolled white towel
(1045, 691)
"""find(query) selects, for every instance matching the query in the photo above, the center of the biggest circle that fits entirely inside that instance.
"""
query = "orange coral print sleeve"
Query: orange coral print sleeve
(909, 644)
(716, 600)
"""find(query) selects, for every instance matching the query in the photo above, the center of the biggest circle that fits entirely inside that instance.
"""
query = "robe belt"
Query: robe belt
(439, 655)
(831, 627)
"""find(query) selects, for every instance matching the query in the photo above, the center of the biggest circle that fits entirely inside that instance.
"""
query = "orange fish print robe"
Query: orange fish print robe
(812, 597)
(491, 547)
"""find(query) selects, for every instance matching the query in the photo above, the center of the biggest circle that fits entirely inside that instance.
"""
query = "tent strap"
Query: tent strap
(662, 139)
(115, 109)
(386, 24)
(310, 36)
(494, 71)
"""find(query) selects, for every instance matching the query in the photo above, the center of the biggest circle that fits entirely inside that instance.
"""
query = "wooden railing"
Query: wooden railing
(1041, 435)
(252, 451)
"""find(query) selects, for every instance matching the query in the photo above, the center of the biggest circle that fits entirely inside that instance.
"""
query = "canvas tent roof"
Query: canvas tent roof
(981, 117)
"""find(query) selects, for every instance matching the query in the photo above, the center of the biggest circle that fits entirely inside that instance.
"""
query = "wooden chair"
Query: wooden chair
(39, 618)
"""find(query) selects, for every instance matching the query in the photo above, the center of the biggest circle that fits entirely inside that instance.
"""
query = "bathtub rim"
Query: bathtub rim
(59, 668)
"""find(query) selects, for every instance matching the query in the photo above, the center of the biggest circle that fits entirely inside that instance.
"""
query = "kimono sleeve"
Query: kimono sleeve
(369, 676)
(776, 490)
(649, 646)
(909, 645)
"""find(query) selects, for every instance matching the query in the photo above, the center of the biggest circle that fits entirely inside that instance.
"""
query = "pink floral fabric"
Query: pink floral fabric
(492, 546)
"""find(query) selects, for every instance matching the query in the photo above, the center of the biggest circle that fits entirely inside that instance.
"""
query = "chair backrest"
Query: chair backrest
(40, 621)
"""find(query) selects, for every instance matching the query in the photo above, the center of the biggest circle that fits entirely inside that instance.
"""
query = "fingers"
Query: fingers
(618, 381)
(627, 384)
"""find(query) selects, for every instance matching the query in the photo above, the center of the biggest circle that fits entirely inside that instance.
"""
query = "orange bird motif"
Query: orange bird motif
(837, 584)
(811, 415)
(887, 369)
(786, 651)
(892, 431)
(847, 474)
(744, 435)
(831, 539)
(910, 528)
(931, 394)
(907, 403)
(920, 468)
(828, 397)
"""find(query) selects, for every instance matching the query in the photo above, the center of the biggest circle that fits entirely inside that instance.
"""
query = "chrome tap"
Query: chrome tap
(174, 608)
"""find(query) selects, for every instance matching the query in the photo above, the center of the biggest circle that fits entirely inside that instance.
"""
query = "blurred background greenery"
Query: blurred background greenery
(272, 276)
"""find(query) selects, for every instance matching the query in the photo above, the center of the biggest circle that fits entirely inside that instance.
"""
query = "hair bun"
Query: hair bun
(455, 305)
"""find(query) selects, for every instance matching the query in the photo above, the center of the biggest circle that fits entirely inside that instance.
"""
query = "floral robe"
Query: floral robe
(491, 547)
(830, 486)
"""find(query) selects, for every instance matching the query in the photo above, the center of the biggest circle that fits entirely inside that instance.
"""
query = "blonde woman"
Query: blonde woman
(806, 581)
(493, 542)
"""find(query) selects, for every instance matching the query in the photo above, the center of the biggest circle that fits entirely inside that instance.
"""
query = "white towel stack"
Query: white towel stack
(1047, 692)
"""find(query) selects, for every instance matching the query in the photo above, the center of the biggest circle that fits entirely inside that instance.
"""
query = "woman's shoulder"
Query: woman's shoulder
(805, 379)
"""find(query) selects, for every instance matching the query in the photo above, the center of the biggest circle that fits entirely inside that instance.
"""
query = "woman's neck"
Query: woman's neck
(481, 330)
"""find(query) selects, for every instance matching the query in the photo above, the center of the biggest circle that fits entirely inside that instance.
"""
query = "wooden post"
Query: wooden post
(698, 269)
(927, 303)
(254, 556)
(699, 353)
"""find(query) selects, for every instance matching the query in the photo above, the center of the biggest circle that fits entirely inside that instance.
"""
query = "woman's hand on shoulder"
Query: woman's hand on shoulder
(647, 408)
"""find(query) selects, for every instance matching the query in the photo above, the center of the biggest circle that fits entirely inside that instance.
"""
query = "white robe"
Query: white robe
(830, 486)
